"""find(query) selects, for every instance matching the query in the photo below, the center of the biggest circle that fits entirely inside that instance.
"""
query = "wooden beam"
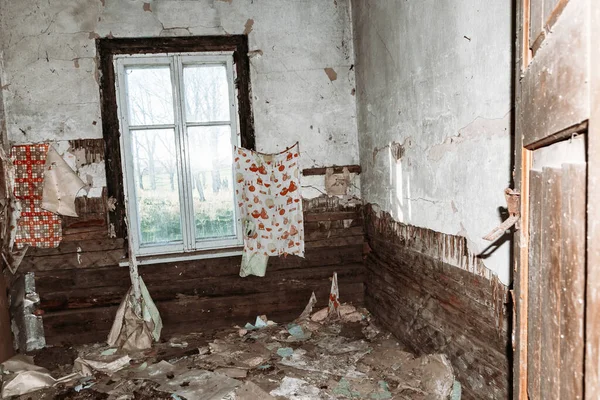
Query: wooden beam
(521, 277)
(6, 343)
(337, 169)
(534, 326)
(520, 238)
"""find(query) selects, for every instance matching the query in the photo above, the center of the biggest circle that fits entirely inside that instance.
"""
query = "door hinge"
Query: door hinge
(513, 204)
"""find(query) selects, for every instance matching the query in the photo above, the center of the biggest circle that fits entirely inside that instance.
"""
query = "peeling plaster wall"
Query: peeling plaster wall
(302, 80)
(433, 110)
(3, 134)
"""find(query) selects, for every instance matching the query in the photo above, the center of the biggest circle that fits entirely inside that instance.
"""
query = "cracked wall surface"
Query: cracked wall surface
(433, 110)
(50, 74)
(3, 133)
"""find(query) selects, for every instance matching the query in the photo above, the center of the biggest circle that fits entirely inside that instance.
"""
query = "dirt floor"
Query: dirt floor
(314, 357)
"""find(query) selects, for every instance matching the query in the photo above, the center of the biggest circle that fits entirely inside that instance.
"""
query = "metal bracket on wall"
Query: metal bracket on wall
(513, 203)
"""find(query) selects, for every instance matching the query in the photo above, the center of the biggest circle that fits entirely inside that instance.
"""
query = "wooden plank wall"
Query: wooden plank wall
(432, 306)
(534, 312)
(6, 340)
(81, 285)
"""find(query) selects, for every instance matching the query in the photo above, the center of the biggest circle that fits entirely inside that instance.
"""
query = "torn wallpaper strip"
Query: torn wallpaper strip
(11, 212)
(61, 185)
(268, 193)
(36, 227)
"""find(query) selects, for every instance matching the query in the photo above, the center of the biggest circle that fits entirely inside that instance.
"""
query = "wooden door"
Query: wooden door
(556, 348)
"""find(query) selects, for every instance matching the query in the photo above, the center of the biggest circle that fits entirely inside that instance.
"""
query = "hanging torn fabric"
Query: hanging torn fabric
(136, 332)
(270, 204)
(254, 264)
(61, 185)
(334, 297)
(36, 227)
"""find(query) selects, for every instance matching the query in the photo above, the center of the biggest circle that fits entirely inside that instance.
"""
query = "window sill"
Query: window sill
(196, 255)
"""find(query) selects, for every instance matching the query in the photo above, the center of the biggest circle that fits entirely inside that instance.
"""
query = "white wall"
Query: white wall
(50, 75)
(434, 85)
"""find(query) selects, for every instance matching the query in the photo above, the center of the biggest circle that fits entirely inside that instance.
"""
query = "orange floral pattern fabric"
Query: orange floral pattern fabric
(268, 193)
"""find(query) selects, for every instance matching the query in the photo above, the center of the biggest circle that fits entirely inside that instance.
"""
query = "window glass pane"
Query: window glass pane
(156, 186)
(212, 180)
(149, 95)
(206, 93)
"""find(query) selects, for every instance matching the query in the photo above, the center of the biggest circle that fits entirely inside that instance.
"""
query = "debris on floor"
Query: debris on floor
(23, 376)
(334, 353)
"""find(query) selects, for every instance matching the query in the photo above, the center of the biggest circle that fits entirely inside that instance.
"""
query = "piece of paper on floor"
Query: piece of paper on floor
(105, 364)
(309, 307)
(297, 389)
(251, 391)
(61, 185)
(23, 376)
(26, 382)
(199, 385)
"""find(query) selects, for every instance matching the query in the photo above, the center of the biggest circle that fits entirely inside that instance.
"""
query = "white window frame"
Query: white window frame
(176, 62)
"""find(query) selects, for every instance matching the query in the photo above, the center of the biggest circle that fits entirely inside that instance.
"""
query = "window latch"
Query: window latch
(513, 203)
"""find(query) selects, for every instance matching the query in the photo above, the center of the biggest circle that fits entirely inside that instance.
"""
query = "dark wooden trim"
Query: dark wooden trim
(337, 169)
(244, 92)
(577, 129)
(155, 45)
(538, 43)
(107, 48)
(111, 134)
(521, 177)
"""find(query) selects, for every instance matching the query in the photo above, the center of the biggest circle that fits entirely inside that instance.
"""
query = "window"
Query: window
(178, 121)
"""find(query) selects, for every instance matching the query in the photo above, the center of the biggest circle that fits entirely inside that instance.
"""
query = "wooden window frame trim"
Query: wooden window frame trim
(108, 48)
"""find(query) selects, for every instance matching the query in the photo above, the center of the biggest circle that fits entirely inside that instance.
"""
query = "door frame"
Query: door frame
(592, 323)
(521, 181)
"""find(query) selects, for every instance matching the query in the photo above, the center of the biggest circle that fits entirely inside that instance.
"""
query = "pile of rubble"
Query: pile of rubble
(334, 353)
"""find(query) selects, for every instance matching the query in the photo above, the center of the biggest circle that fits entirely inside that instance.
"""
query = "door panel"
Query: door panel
(555, 85)
(572, 310)
(557, 199)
